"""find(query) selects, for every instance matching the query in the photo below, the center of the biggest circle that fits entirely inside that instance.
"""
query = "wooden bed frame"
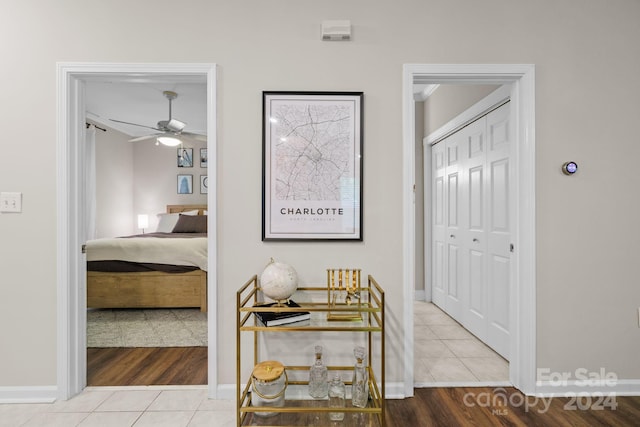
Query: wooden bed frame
(153, 289)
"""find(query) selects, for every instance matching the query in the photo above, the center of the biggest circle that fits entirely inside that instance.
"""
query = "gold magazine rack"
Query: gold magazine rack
(344, 291)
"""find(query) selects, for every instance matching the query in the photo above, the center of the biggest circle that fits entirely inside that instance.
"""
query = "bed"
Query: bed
(167, 269)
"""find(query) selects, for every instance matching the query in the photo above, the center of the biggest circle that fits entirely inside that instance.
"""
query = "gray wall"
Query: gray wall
(114, 184)
(587, 62)
(139, 178)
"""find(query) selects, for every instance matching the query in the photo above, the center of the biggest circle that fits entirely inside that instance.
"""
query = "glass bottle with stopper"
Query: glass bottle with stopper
(360, 384)
(318, 377)
(337, 394)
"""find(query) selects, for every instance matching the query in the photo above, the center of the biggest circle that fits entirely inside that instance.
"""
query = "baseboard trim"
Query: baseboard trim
(577, 388)
(29, 394)
(394, 390)
(468, 384)
(419, 295)
(226, 392)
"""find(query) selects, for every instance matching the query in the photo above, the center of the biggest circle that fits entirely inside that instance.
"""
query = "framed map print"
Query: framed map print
(312, 166)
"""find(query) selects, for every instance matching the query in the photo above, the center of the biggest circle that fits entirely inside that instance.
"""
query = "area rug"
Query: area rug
(185, 327)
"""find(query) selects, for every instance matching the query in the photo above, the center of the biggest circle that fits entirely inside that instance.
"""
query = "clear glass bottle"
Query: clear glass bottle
(337, 394)
(360, 384)
(318, 377)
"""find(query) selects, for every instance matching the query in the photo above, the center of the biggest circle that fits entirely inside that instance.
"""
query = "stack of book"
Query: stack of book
(273, 318)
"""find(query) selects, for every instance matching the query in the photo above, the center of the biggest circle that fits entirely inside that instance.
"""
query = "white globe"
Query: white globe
(278, 281)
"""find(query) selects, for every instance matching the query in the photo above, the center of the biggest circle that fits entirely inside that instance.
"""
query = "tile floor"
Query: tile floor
(447, 354)
(120, 407)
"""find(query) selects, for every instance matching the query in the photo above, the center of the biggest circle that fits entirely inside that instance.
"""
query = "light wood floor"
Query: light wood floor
(442, 407)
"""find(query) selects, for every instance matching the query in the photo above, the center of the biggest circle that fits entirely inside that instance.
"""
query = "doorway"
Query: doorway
(136, 176)
(462, 331)
(522, 275)
(71, 213)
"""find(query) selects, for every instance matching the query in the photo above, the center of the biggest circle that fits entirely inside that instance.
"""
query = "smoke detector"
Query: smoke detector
(336, 30)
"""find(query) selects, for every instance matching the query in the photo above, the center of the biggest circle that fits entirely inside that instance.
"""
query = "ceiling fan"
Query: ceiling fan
(170, 131)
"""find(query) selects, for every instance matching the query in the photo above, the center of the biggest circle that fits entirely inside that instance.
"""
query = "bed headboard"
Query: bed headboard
(186, 208)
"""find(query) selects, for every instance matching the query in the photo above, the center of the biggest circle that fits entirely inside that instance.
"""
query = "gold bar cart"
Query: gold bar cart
(370, 307)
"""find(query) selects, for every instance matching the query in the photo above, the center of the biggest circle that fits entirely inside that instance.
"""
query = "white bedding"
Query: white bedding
(175, 251)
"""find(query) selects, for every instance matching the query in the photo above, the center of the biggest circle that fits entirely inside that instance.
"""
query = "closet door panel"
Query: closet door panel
(454, 201)
(499, 237)
(474, 245)
(438, 228)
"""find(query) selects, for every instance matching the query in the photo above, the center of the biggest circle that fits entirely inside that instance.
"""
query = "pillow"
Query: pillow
(191, 224)
(189, 212)
(166, 222)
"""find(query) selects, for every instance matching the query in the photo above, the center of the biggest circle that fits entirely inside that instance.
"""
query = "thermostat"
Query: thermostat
(569, 168)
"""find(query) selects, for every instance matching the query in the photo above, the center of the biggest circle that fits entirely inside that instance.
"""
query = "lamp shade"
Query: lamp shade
(143, 221)
(169, 141)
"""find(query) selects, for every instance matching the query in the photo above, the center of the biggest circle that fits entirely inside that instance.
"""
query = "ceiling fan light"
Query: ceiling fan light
(175, 125)
(169, 141)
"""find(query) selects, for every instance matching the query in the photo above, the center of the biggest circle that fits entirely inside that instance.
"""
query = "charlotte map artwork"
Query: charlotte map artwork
(313, 154)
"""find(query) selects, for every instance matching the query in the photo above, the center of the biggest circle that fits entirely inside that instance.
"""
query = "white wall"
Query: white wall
(587, 62)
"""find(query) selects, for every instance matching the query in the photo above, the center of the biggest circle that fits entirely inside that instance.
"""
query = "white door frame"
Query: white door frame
(522, 366)
(71, 283)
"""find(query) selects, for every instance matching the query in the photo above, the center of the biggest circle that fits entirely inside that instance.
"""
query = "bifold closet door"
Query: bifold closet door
(498, 230)
(470, 227)
(474, 249)
(438, 229)
(446, 231)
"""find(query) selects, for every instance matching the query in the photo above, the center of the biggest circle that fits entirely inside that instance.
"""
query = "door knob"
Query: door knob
(453, 236)
(475, 240)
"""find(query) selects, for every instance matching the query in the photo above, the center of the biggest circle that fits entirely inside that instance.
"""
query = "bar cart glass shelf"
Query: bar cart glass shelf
(309, 412)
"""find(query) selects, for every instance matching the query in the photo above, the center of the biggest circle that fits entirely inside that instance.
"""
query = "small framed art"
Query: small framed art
(203, 157)
(185, 157)
(185, 184)
(204, 184)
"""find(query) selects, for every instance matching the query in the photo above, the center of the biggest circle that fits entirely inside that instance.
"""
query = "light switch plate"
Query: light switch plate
(10, 202)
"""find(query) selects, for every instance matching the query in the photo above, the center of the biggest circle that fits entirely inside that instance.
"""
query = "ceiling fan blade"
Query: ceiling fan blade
(169, 128)
(134, 124)
(196, 136)
(142, 138)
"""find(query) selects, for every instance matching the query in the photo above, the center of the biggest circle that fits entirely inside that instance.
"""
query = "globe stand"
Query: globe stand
(278, 282)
